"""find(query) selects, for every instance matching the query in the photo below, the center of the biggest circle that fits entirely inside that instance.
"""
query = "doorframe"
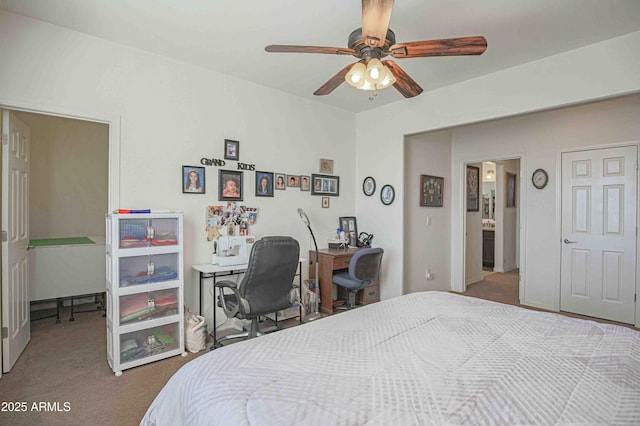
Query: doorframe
(113, 120)
(462, 222)
(561, 152)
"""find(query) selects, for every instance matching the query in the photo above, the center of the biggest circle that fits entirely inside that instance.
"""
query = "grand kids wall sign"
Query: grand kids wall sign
(216, 162)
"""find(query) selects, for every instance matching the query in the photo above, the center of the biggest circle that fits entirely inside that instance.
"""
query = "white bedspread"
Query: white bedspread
(422, 358)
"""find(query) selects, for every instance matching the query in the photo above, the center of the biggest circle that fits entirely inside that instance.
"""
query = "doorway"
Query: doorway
(492, 237)
(55, 198)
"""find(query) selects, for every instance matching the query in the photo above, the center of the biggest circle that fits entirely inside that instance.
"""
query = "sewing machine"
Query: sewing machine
(234, 250)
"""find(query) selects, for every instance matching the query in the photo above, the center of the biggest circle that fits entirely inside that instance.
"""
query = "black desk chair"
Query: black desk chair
(363, 271)
(266, 287)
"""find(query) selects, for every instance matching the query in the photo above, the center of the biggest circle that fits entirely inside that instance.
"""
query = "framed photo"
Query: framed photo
(229, 185)
(325, 185)
(350, 227)
(369, 186)
(473, 183)
(231, 150)
(431, 191)
(280, 182)
(326, 166)
(293, 180)
(264, 184)
(193, 180)
(387, 194)
(511, 190)
(325, 202)
(304, 183)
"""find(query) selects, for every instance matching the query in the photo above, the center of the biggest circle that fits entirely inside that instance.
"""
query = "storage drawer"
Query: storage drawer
(146, 269)
(148, 232)
(147, 306)
(341, 262)
(369, 294)
(149, 342)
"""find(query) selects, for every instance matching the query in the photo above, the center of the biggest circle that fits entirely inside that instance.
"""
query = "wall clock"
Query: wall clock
(387, 194)
(540, 178)
(369, 186)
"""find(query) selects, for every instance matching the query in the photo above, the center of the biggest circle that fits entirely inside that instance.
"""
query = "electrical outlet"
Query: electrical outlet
(429, 275)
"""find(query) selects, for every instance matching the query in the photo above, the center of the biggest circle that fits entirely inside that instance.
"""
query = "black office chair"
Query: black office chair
(363, 271)
(267, 285)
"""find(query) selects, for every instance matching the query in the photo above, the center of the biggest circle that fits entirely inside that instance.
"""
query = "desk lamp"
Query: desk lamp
(316, 314)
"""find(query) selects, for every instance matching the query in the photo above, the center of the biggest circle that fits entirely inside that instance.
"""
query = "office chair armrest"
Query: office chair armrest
(227, 284)
(229, 311)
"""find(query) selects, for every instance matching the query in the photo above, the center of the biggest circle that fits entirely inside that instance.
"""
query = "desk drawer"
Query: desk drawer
(369, 295)
(341, 262)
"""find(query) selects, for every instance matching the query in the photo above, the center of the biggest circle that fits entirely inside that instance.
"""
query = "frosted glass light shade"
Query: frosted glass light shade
(356, 75)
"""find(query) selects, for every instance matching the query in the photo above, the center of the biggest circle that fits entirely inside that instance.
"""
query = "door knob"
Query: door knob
(568, 241)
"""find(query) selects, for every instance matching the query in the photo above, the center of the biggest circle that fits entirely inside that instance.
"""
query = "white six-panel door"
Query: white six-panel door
(15, 226)
(598, 271)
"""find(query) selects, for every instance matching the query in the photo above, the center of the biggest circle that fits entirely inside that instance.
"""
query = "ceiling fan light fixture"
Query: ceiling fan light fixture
(387, 80)
(356, 75)
(375, 71)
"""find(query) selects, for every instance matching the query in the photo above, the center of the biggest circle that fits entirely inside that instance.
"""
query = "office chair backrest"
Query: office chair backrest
(365, 265)
(269, 278)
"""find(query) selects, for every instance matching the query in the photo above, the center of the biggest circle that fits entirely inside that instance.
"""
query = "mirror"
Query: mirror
(488, 200)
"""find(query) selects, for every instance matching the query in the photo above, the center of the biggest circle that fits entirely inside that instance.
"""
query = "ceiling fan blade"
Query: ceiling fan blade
(404, 84)
(283, 48)
(375, 21)
(444, 47)
(333, 82)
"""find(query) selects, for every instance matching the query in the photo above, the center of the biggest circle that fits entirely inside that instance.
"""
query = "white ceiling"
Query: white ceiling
(229, 36)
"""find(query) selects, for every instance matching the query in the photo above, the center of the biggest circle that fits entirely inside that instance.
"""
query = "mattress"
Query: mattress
(422, 358)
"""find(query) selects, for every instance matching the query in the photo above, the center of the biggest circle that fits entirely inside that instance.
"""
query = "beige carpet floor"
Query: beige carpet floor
(67, 363)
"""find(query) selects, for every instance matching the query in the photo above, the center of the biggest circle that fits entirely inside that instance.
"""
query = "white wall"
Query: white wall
(427, 245)
(170, 114)
(597, 71)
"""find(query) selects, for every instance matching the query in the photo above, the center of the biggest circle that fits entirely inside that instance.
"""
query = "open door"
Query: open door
(16, 327)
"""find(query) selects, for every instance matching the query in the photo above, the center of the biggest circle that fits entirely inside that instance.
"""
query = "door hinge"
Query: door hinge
(5, 139)
(5, 332)
(4, 236)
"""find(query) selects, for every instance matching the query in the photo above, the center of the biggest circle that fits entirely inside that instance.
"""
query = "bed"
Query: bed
(66, 267)
(422, 358)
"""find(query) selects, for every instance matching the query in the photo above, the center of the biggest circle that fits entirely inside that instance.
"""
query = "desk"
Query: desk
(332, 260)
(216, 271)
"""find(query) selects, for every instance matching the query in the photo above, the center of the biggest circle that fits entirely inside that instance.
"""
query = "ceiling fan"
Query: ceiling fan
(373, 41)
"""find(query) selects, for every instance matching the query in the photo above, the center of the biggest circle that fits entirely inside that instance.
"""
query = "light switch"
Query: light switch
(428, 220)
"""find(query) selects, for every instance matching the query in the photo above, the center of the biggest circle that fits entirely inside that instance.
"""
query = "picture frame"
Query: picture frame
(431, 188)
(264, 184)
(231, 150)
(510, 190)
(193, 180)
(325, 202)
(305, 183)
(349, 225)
(473, 183)
(369, 186)
(326, 166)
(229, 185)
(280, 182)
(387, 195)
(325, 185)
(293, 181)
